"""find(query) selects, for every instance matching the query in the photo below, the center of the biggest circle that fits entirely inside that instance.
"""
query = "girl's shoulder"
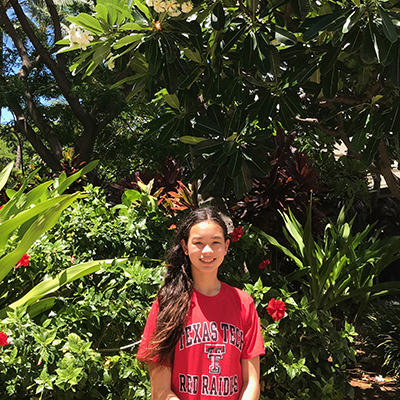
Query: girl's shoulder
(244, 298)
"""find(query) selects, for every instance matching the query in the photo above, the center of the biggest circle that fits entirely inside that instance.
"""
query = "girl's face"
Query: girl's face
(206, 247)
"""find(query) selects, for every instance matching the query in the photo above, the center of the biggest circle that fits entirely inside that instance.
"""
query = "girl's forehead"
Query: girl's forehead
(206, 227)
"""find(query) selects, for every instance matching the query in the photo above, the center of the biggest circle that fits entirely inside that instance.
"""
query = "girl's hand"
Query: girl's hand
(250, 379)
(160, 379)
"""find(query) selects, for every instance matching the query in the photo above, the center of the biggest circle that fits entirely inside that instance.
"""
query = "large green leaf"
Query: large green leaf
(5, 173)
(88, 22)
(42, 224)
(388, 28)
(321, 23)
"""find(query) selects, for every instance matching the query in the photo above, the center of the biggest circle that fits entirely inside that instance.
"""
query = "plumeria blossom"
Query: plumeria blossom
(3, 339)
(23, 262)
(187, 6)
(160, 6)
(79, 37)
(172, 8)
(276, 309)
(150, 3)
(237, 233)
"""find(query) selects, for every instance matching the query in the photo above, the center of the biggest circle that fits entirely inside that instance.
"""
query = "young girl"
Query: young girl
(202, 339)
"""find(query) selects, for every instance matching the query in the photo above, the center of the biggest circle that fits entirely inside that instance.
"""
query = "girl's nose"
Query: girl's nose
(207, 249)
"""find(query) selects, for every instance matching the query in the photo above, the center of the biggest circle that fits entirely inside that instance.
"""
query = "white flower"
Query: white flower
(79, 37)
(160, 6)
(110, 64)
(150, 3)
(187, 6)
(172, 8)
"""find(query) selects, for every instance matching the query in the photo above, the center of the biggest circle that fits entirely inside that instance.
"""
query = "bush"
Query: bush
(85, 347)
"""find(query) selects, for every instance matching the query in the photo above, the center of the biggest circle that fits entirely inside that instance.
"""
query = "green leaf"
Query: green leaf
(388, 28)
(231, 38)
(42, 224)
(172, 100)
(321, 24)
(192, 140)
(330, 83)
(88, 22)
(143, 8)
(234, 164)
(206, 126)
(127, 40)
(243, 182)
(329, 59)
(218, 17)
(67, 182)
(5, 173)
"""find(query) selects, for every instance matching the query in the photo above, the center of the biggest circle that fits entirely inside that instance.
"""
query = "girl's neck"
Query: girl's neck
(208, 287)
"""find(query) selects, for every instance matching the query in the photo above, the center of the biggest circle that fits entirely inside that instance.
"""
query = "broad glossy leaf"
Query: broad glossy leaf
(101, 53)
(209, 146)
(330, 83)
(127, 40)
(42, 224)
(257, 161)
(153, 56)
(358, 141)
(172, 100)
(5, 173)
(243, 183)
(192, 140)
(133, 26)
(371, 149)
(262, 59)
(329, 59)
(388, 28)
(88, 22)
(218, 17)
(168, 131)
(321, 23)
(231, 38)
(171, 51)
(235, 164)
(283, 36)
(353, 40)
(249, 46)
(143, 8)
(67, 182)
(206, 126)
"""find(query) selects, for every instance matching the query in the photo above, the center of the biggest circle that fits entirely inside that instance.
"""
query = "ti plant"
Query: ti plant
(340, 265)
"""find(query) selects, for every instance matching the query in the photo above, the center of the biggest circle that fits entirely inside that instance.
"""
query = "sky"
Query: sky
(6, 116)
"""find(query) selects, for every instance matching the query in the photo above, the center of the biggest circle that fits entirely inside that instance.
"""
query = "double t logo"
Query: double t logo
(215, 353)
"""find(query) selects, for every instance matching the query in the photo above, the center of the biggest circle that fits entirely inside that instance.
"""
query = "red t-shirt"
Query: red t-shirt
(221, 331)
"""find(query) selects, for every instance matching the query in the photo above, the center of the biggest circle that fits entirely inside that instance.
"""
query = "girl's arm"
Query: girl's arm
(160, 379)
(251, 379)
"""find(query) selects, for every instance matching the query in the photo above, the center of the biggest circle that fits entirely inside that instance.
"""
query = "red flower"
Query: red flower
(23, 262)
(72, 260)
(172, 226)
(264, 264)
(1, 206)
(276, 309)
(237, 233)
(3, 339)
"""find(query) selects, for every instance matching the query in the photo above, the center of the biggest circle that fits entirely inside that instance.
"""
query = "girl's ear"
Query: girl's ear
(184, 247)
(227, 245)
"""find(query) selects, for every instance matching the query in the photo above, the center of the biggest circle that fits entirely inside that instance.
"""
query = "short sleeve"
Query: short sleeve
(253, 344)
(142, 353)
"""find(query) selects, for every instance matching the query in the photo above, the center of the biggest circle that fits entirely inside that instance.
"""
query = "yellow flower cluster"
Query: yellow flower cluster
(172, 7)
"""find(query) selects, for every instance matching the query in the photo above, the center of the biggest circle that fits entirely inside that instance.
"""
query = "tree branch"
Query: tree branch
(59, 75)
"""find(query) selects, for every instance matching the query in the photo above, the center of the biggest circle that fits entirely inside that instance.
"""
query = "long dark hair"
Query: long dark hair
(175, 294)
